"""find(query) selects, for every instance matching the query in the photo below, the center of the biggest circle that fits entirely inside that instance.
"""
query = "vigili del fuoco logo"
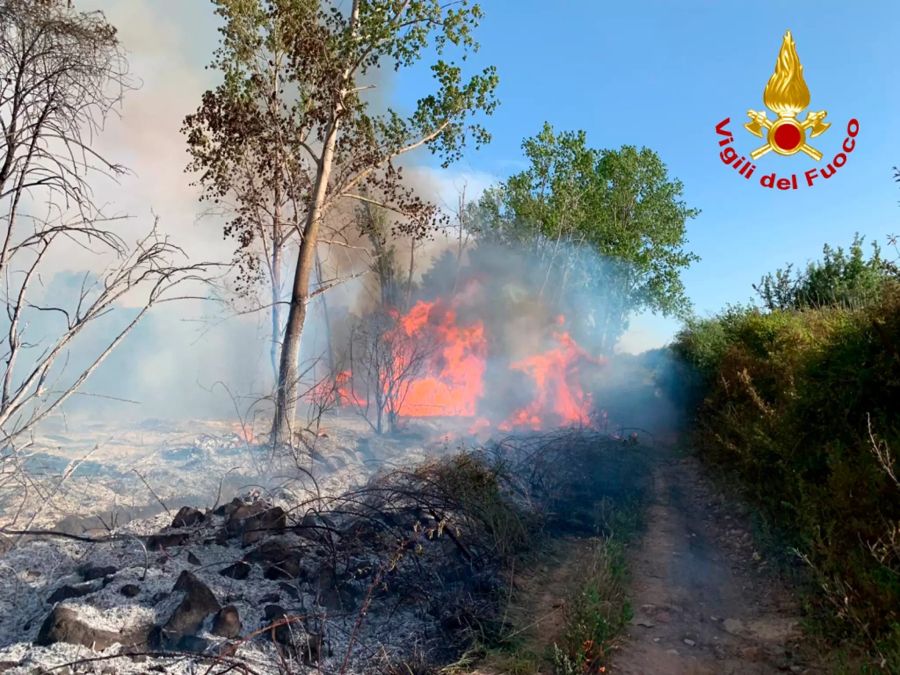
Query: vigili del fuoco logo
(786, 95)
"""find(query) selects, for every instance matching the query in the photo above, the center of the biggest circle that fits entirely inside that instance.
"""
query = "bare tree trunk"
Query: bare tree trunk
(461, 243)
(409, 276)
(276, 280)
(329, 353)
(277, 242)
(288, 373)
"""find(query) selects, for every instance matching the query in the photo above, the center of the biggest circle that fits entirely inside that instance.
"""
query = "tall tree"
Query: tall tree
(246, 143)
(620, 204)
(345, 149)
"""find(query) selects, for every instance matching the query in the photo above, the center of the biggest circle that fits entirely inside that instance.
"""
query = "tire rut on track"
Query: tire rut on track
(704, 600)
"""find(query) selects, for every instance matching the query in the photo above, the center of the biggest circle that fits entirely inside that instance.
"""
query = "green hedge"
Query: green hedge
(787, 401)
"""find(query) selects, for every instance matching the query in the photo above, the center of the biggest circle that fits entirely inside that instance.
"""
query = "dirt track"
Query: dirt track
(704, 600)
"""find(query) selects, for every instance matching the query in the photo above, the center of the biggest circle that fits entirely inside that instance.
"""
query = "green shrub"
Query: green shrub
(793, 406)
(840, 279)
(597, 613)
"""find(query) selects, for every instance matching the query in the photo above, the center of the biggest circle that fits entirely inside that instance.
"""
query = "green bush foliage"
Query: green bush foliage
(795, 405)
(841, 278)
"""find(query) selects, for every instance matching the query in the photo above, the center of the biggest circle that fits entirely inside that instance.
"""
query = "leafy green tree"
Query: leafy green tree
(245, 140)
(340, 147)
(842, 278)
(620, 204)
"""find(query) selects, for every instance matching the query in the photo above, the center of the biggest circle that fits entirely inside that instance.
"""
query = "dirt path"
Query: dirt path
(704, 600)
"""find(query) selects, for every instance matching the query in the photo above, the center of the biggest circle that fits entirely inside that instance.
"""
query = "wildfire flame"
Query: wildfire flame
(244, 432)
(786, 93)
(455, 380)
(453, 384)
(559, 397)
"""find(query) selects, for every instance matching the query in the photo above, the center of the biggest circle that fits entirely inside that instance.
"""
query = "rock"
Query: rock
(281, 561)
(330, 599)
(286, 569)
(194, 560)
(273, 612)
(159, 542)
(187, 618)
(271, 551)
(229, 508)
(63, 625)
(227, 623)
(305, 644)
(752, 653)
(733, 626)
(317, 528)
(286, 633)
(130, 590)
(255, 527)
(773, 629)
(192, 643)
(290, 589)
(187, 516)
(73, 591)
(689, 642)
(235, 523)
(305, 639)
(90, 572)
(239, 570)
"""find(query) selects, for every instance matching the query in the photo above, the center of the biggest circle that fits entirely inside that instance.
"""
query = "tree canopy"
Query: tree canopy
(295, 73)
(620, 205)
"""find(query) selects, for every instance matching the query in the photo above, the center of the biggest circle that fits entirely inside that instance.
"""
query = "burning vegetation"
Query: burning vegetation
(439, 400)
(324, 545)
(431, 362)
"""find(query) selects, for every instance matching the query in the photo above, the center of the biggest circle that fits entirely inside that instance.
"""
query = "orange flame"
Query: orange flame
(344, 388)
(243, 431)
(786, 93)
(560, 399)
(454, 380)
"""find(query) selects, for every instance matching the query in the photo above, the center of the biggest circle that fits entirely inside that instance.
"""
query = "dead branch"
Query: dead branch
(152, 492)
(234, 664)
(384, 363)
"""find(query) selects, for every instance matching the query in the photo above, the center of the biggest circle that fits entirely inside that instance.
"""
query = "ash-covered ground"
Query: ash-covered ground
(187, 547)
(252, 549)
(88, 475)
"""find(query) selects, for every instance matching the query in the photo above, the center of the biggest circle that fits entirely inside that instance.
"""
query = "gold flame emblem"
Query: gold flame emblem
(786, 94)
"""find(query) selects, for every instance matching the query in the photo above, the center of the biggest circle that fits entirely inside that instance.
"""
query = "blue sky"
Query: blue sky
(664, 73)
(659, 73)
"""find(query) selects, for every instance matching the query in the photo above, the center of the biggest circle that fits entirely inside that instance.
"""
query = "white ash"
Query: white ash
(176, 464)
